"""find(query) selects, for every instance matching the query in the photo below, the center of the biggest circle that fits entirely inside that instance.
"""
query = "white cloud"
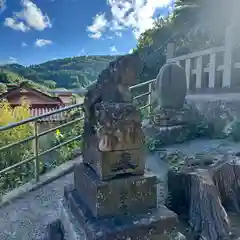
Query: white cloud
(24, 44)
(42, 42)
(119, 34)
(15, 25)
(10, 60)
(137, 15)
(2, 5)
(96, 35)
(99, 25)
(109, 37)
(29, 17)
(115, 25)
(131, 51)
(33, 16)
(113, 49)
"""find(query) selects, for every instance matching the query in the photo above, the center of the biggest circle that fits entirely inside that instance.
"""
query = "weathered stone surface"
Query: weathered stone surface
(121, 196)
(134, 227)
(114, 146)
(221, 112)
(171, 86)
(108, 165)
(163, 136)
(198, 199)
(171, 117)
(119, 127)
(109, 114)
(54, 231)
(112, 86)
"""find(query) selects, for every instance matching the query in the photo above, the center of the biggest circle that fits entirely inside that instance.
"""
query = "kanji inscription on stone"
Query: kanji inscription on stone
(125, 162)
(123, 200)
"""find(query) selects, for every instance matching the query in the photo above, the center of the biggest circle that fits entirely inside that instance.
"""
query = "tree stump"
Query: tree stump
(193, 193)
(226, 177)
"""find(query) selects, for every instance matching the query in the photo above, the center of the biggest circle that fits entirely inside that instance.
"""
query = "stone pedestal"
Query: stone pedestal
(112, 198)
(121, 196)
(171, 117)
(170, 126)
(172, 121)
(79, 222)
(169, 135)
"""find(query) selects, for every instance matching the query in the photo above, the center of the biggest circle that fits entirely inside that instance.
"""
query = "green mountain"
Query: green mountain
(8, 77)
(61, 73)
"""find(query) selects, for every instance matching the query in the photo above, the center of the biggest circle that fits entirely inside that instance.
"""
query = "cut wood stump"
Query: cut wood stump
(226, 177)
(193, 193)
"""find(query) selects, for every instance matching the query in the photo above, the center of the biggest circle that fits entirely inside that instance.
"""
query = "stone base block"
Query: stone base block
(111, 164)
(54, 231)
(134, 227)
(169, 135)
(171, 117)
(120, 196)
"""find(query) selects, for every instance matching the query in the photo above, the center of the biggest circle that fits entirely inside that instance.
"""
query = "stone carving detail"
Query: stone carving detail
(123, 198)
(118, 127)
(125, 162)
(112, 123)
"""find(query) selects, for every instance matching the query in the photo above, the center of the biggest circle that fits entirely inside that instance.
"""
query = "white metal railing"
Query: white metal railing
(210, 69)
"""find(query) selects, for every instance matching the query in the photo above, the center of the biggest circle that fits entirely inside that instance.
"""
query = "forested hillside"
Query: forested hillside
(7, 77)
(64, 73)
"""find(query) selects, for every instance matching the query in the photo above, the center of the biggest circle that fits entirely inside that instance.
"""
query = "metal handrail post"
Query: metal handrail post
(150, 89)
(36, 151)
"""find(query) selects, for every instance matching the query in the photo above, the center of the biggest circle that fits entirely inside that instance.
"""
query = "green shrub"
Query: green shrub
(17, 153)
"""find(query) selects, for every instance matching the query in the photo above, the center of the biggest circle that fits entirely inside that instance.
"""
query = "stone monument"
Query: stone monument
(112, 197)
(171, 117)
(171, 89)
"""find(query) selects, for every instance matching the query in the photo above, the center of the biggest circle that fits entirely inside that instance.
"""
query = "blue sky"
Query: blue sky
(34, 31)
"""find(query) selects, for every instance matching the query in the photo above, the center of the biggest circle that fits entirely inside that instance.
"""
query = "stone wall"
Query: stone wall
(222, 111)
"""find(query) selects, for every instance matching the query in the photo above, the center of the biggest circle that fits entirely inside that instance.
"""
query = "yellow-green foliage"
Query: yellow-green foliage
(10, 115)
(17, 153)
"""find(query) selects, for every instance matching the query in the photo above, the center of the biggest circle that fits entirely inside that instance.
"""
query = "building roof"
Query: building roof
(23, 89)
(35, 112)
(40, 103)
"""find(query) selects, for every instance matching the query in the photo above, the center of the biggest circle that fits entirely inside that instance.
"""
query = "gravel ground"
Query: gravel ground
(27, 217)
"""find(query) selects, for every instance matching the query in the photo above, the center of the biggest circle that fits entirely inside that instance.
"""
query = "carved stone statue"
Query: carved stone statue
(112, 123)
(112, 85)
